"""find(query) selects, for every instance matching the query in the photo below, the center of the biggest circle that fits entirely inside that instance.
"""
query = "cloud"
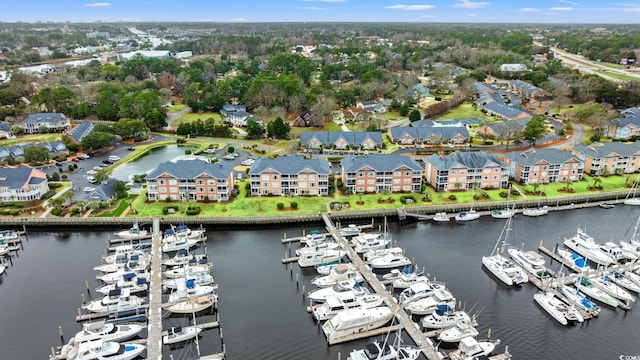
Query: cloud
(313, 8)
(569, 2)
(471, 5)
(473, 15)
(102, 4)
(633, 9)
(528, 10)
(410, 7)
(238, 19)
(561, 8)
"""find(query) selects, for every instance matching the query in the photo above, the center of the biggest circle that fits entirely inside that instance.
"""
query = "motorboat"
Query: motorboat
(335, 304)
(574, 261)
(556, 308)
(183, 271)
(117, 301)
(132, 233)
(337, 274)
(579, 300)
(530, 261)
(632, 276)
(183, 257)
(190, 290)
(427, 305)
(192, 305)
(536, 211)
(324, 269)
(605, 205)
(199, 278)
(504, 213)
(405, 278)
(501, 267)
(584, 244)
(369, 241)
(471, 349)
(180, 334)
(345, 289)
(128, 263)
(358, 320)
(470, 215)
(372, 254)
(625, 281)
(617, 252)
(586, 287)
(350, 230)
(114, 277)
(104, 350)
(184, 230)
(377, 351)
(313, 236)
(124, 251)
(606, 284)
(130, 281)
(311, 257)
(313, 245)
(389, 261)
(106, 331)
(171, 243)
(419, 291)
(9, 235)
(458, 332)
(444, 317)
(441, 217)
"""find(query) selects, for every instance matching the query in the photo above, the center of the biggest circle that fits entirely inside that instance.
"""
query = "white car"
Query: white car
(229, 157)
(91, 179)
(89, 189)
(247, 162)
(91, 172)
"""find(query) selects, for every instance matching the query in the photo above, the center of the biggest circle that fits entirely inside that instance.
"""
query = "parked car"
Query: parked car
(75, 159)
(107, 162)
(228, 157)
(91, 179)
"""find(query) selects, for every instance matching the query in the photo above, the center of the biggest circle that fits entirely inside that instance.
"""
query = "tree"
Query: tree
(322, 109)
(97, 140)
(57, 202)
(278, 129)
(596, 181)
(535, 129)
(103, 174)
(68, 196)
(404, 109)
(35, 154)
(415, 115)
(254, 130)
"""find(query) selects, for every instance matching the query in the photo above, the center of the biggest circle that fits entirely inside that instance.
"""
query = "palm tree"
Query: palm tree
(596, 181)
(57, 202)
(568, 187)
(68, 196)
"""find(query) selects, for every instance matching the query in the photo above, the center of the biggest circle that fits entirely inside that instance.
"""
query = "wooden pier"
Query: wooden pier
(404, 321)
(154, 328)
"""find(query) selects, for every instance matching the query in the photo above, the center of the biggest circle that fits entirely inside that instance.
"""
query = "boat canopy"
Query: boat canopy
(141, 281)
(181, 228)
(443, 309)
(128, 276)
(169, 232)
(115, 292)
(407, 270)
(191, 283)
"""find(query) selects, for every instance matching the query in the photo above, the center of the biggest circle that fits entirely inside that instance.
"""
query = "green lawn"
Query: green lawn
(30, 138)
(176, 107)
(617, 75)
(122, 206)
(197, 116)
(465, 111)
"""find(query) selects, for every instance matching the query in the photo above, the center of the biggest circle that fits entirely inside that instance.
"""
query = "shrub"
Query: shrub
(280, 206)
(206, 200)
(193, 210)
(504, 194)
(187, 152)
(294, 205)
(54, 177)
(452, 197)
(407, 199)
(57, 212)
(165, 210)
(54, 185)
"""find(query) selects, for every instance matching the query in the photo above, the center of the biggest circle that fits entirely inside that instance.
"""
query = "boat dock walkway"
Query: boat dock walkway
(404, 321)
(154, 328)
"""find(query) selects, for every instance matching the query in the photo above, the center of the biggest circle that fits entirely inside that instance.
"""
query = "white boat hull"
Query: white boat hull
(354, 321)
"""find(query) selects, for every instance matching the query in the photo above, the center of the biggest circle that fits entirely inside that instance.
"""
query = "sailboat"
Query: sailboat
(505, 212)
(537, 210)
(504, 269)
(468, 215)
(631, 198)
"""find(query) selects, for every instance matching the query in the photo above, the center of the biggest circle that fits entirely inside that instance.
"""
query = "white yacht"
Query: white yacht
(556, 308)
(607, 285)
(389, 261)
(531, 261)
(353, 321)
(428, 304)
(579, 300)
(403, 279)
(335, 304)
(351, 230)
(574, 261)
(345, 289)
(626, 280)
(183, 257)
(471, 349)
(180, 334)
(184, 271)
(536, 211)
(419, 291)
(586, 287)
(133, 233)
(336, 274)
(372, 254)
(501, 267)
(444, 317)
(199, 278)
(190, 290)
(312, 257)
(369, 241)
(192, 305)
(107, 332)
(116, 301)
(130, 281)
(618, 254)
(458, 332)
(441, 217)
(105, 350)
(377, 351)
(584, 244)
(470, 215)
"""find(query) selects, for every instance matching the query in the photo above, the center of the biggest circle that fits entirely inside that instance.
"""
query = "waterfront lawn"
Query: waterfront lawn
(122, 206)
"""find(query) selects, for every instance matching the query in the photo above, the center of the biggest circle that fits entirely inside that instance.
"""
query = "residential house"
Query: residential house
(104, 192)
(22, 184)
(290, 175)
(305, 119)
(421, 90)
(237, 115)
(190, 179)
(372, 106)
(52, 122)
(78, 132)
(464, 170)
(542, 166)
(609, 158)
(364, 140)
(513, 68)
(231, 108)
(499, 103)
(626, 126)
(6, 132)
(501, 130)
(523, 88)
(430, 132)
(381, 172)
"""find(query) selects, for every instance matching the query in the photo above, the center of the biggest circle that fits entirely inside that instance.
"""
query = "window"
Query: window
(211, 182)
(264, 177)
(161, 182)
(200, 189)
(173, 182)
(312, 177)
(200, 182)
(302, 177)
(274, 177)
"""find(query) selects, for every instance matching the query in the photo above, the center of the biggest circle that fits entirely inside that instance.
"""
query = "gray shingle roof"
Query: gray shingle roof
(330, 137)
(80, 131)
(39, 118)
(191, 169)
(291, 165)
(470, 160)
(443, 132)
(6, 127)
(15, 178)
(601, 150)
(551, 155)
(379, 162)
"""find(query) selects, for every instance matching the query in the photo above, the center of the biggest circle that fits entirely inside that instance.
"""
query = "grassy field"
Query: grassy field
(197, 116)
(176, 107)
(465, 111)
(30, 138)
(616, 75)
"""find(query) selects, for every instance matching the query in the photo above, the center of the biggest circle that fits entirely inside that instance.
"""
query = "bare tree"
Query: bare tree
(322, 109)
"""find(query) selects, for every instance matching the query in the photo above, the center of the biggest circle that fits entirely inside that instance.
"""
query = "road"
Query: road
(585, 65)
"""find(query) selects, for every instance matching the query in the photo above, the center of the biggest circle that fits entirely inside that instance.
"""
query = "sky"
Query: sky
(426, 11)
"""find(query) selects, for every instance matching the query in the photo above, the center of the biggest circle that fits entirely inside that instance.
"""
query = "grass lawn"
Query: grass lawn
(195, 116)
(617, 75)
(465, 111)
(122, 206)
(176, 107)
(30, 138)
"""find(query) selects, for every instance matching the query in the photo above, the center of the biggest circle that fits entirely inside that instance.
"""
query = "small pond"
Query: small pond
(149, 161)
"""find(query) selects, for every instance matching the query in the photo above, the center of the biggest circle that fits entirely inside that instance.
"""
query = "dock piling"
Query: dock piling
(86, 284)
(61, 334)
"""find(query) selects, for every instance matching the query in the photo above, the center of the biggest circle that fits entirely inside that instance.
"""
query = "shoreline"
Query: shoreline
(554, 204)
